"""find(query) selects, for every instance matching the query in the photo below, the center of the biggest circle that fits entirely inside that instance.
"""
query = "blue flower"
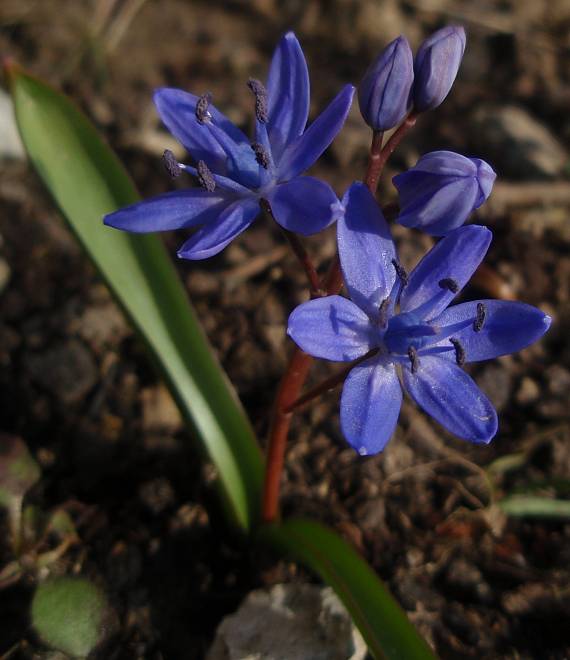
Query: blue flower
(440, 191)
(384, 95)
(237, 175)
(436, 65)
(407, 324)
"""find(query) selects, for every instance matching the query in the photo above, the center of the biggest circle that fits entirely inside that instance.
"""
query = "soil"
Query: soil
(77, 386)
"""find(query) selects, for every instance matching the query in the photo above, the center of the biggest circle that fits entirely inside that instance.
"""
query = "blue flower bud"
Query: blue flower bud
(384, 94)
(436, 65)
(439, 193)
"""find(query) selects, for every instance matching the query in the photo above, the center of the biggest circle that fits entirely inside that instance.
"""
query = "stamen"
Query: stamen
(202, 112)
(479, 322)
(205, 177)
(414, 359)
(171, 165)
(400, 272)
(450, 284)
(261, 155)
(258, 88)
(383, 313)
(459, 351)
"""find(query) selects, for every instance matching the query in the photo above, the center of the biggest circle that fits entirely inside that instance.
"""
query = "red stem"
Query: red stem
(305, 261)
(374, 162)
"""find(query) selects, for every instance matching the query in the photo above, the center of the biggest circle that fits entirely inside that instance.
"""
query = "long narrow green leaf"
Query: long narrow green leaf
(380, 619)
(87, 181)
(532, 506)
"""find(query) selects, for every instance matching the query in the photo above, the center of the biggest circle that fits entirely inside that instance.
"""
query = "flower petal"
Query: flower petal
(508, 327)
(366, 250)
(216, 235)
(455, 257)
(452, 398)
(332, 328)
(370, 406)
(302, 153)
(177, 109)
(304, 205)
(172, 210)
(288, 92)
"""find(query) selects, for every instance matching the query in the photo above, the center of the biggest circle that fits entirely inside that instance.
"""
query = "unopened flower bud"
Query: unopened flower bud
(439, 193)
(384, 95)
(436, 65)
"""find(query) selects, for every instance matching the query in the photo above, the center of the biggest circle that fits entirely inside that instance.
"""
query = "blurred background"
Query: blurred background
(77, 387)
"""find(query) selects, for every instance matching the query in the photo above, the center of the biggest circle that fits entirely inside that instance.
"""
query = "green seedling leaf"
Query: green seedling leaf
(87, 181)
(381, 621)
(530, 506)
(70, 614)
(18, 473)
(18, 470)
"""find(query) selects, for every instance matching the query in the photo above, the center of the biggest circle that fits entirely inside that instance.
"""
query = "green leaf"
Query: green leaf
(530, 506)
(381, 621)
(18, 473)
(70, 615)
(87, 181)
(18, 470)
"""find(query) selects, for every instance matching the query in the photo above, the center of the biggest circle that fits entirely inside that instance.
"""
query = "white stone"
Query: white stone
(289, 622)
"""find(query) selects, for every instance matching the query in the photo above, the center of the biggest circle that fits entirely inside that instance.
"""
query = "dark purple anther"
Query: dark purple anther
(479, 322)
(258, 88)
(202, 112)
(459, 351)
(171, 164)
(261, 155)
(205, 177)
(383, 313)
(436, 65)
(414, 359)
(449, 284)
(384, 95)
(400, 272)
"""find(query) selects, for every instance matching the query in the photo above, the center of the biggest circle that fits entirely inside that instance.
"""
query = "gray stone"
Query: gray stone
(67, 370)
(289, 622)
(517, 145)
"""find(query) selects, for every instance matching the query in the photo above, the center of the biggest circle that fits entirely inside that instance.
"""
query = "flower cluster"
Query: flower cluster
(399, 329)
(404, 323)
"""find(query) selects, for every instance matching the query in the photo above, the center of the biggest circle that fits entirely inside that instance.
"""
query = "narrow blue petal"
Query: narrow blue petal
(452, 398)
(366, 250)
(304, 205)
(508, 327)
(288, 94)
(332, 328)
(177, 110)
(172, 210)
(370, 406)
(302, 153)
(216, 235)
(455, 257)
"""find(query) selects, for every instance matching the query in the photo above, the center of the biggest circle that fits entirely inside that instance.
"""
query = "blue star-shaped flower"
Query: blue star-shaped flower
(427, 341)
(236, 175)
